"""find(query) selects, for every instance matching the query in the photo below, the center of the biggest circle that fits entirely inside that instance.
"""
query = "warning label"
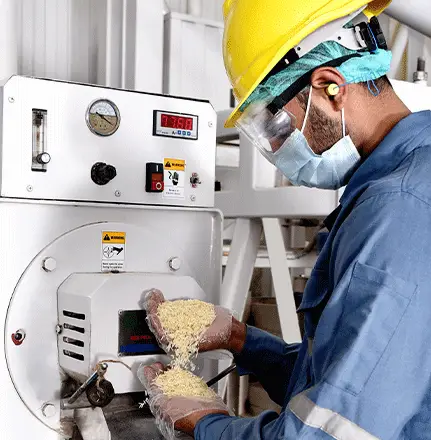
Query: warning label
(174, 178)
(114, 237)
(113, 251)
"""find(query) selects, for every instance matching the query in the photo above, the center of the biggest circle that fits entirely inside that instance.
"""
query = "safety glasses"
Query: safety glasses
(267, 130)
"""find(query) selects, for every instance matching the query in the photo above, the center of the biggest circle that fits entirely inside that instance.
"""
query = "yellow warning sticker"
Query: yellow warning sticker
(113, 251)
(174, 175)
(114, 237)
(175, 164)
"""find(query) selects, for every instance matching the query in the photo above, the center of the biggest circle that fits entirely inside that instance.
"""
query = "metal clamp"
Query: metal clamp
(99, 373)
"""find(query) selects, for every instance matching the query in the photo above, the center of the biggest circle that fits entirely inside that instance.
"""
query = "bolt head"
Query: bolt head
(49, 264)
(58, 329)
(193, 198)
(175, 263)
(11, 99)
(117, 193)
(48, 410)
(29, 188)
(210, 124)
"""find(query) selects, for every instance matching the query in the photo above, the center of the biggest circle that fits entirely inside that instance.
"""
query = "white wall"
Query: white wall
(118, 42)
(211, 9)
(60, 38)
(82, 40)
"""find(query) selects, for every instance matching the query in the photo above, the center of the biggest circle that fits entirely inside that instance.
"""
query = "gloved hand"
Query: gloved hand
(216, 337)
(176, 413)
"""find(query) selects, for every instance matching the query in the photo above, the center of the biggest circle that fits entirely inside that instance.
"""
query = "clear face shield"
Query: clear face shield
(268, 129)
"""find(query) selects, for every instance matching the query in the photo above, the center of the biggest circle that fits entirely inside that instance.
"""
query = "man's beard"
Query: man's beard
(323, 132)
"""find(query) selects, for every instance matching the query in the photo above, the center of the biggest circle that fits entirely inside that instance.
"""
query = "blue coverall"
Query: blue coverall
(363, 370)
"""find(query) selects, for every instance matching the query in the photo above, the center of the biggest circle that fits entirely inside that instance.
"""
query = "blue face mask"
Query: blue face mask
(330, 170)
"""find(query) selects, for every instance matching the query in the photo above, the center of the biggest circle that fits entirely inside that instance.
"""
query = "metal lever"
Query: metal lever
(100, 372)
(222, 375)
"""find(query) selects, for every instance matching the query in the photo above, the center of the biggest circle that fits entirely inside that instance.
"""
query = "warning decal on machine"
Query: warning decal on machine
(174, 178)
(113, 251)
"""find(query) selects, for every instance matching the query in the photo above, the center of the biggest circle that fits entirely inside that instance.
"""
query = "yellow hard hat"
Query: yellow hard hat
(259, 33)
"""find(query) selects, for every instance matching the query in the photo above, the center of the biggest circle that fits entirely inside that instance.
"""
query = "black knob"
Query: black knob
(101, 173)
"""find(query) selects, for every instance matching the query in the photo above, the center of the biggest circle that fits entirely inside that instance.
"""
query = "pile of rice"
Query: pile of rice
(184, 322)
(179, 382)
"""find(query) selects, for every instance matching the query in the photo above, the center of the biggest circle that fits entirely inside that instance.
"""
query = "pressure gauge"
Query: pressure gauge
(103, 117)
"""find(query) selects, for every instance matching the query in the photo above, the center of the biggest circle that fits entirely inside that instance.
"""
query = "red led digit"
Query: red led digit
(176, 122)
(189, 124)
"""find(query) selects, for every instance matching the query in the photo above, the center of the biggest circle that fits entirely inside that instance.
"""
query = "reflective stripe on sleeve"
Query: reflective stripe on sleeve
(326, 420)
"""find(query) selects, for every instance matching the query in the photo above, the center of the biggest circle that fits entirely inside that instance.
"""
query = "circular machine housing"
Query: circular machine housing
(38, 366)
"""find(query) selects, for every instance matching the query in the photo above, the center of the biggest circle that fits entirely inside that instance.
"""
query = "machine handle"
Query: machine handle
(222, 375)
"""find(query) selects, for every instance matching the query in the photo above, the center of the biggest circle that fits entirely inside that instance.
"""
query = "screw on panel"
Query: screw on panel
(175, 263)
(49, 264)
(193, 198)
(210, 124)
(59, 329)
(29, 188)
(11, 99)
(48, 410)
(117, 193)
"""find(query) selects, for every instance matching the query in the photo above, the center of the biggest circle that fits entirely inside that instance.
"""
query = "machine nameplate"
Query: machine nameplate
(134, 336)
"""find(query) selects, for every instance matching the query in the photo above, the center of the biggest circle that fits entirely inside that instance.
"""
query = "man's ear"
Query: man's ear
(330, 85)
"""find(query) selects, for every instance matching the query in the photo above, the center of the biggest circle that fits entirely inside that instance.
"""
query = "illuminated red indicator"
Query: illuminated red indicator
(141, 338)
(177, 122)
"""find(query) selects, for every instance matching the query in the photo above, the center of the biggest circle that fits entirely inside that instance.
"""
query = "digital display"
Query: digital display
(176, 121)
(175, 125)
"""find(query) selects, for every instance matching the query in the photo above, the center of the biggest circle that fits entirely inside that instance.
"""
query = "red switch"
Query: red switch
(157, 186)
(154, 178)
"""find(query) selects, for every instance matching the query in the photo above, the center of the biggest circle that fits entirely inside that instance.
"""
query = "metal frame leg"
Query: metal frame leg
(236, 286)
(282, 280)
(240, 265)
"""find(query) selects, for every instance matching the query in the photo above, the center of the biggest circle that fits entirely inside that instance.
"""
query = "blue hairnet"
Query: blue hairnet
(369, 66)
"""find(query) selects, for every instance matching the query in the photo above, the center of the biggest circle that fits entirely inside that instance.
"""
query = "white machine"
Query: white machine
(104, 194)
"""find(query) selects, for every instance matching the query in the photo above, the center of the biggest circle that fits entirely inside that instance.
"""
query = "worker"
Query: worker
(313, 97)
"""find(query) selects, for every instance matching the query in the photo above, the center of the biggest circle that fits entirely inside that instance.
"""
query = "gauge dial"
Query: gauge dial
(103, 117)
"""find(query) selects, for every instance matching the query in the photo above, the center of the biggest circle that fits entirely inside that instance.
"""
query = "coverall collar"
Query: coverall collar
(404, 138)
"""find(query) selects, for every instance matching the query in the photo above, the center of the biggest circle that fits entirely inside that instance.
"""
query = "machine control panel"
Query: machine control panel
(119, 146)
